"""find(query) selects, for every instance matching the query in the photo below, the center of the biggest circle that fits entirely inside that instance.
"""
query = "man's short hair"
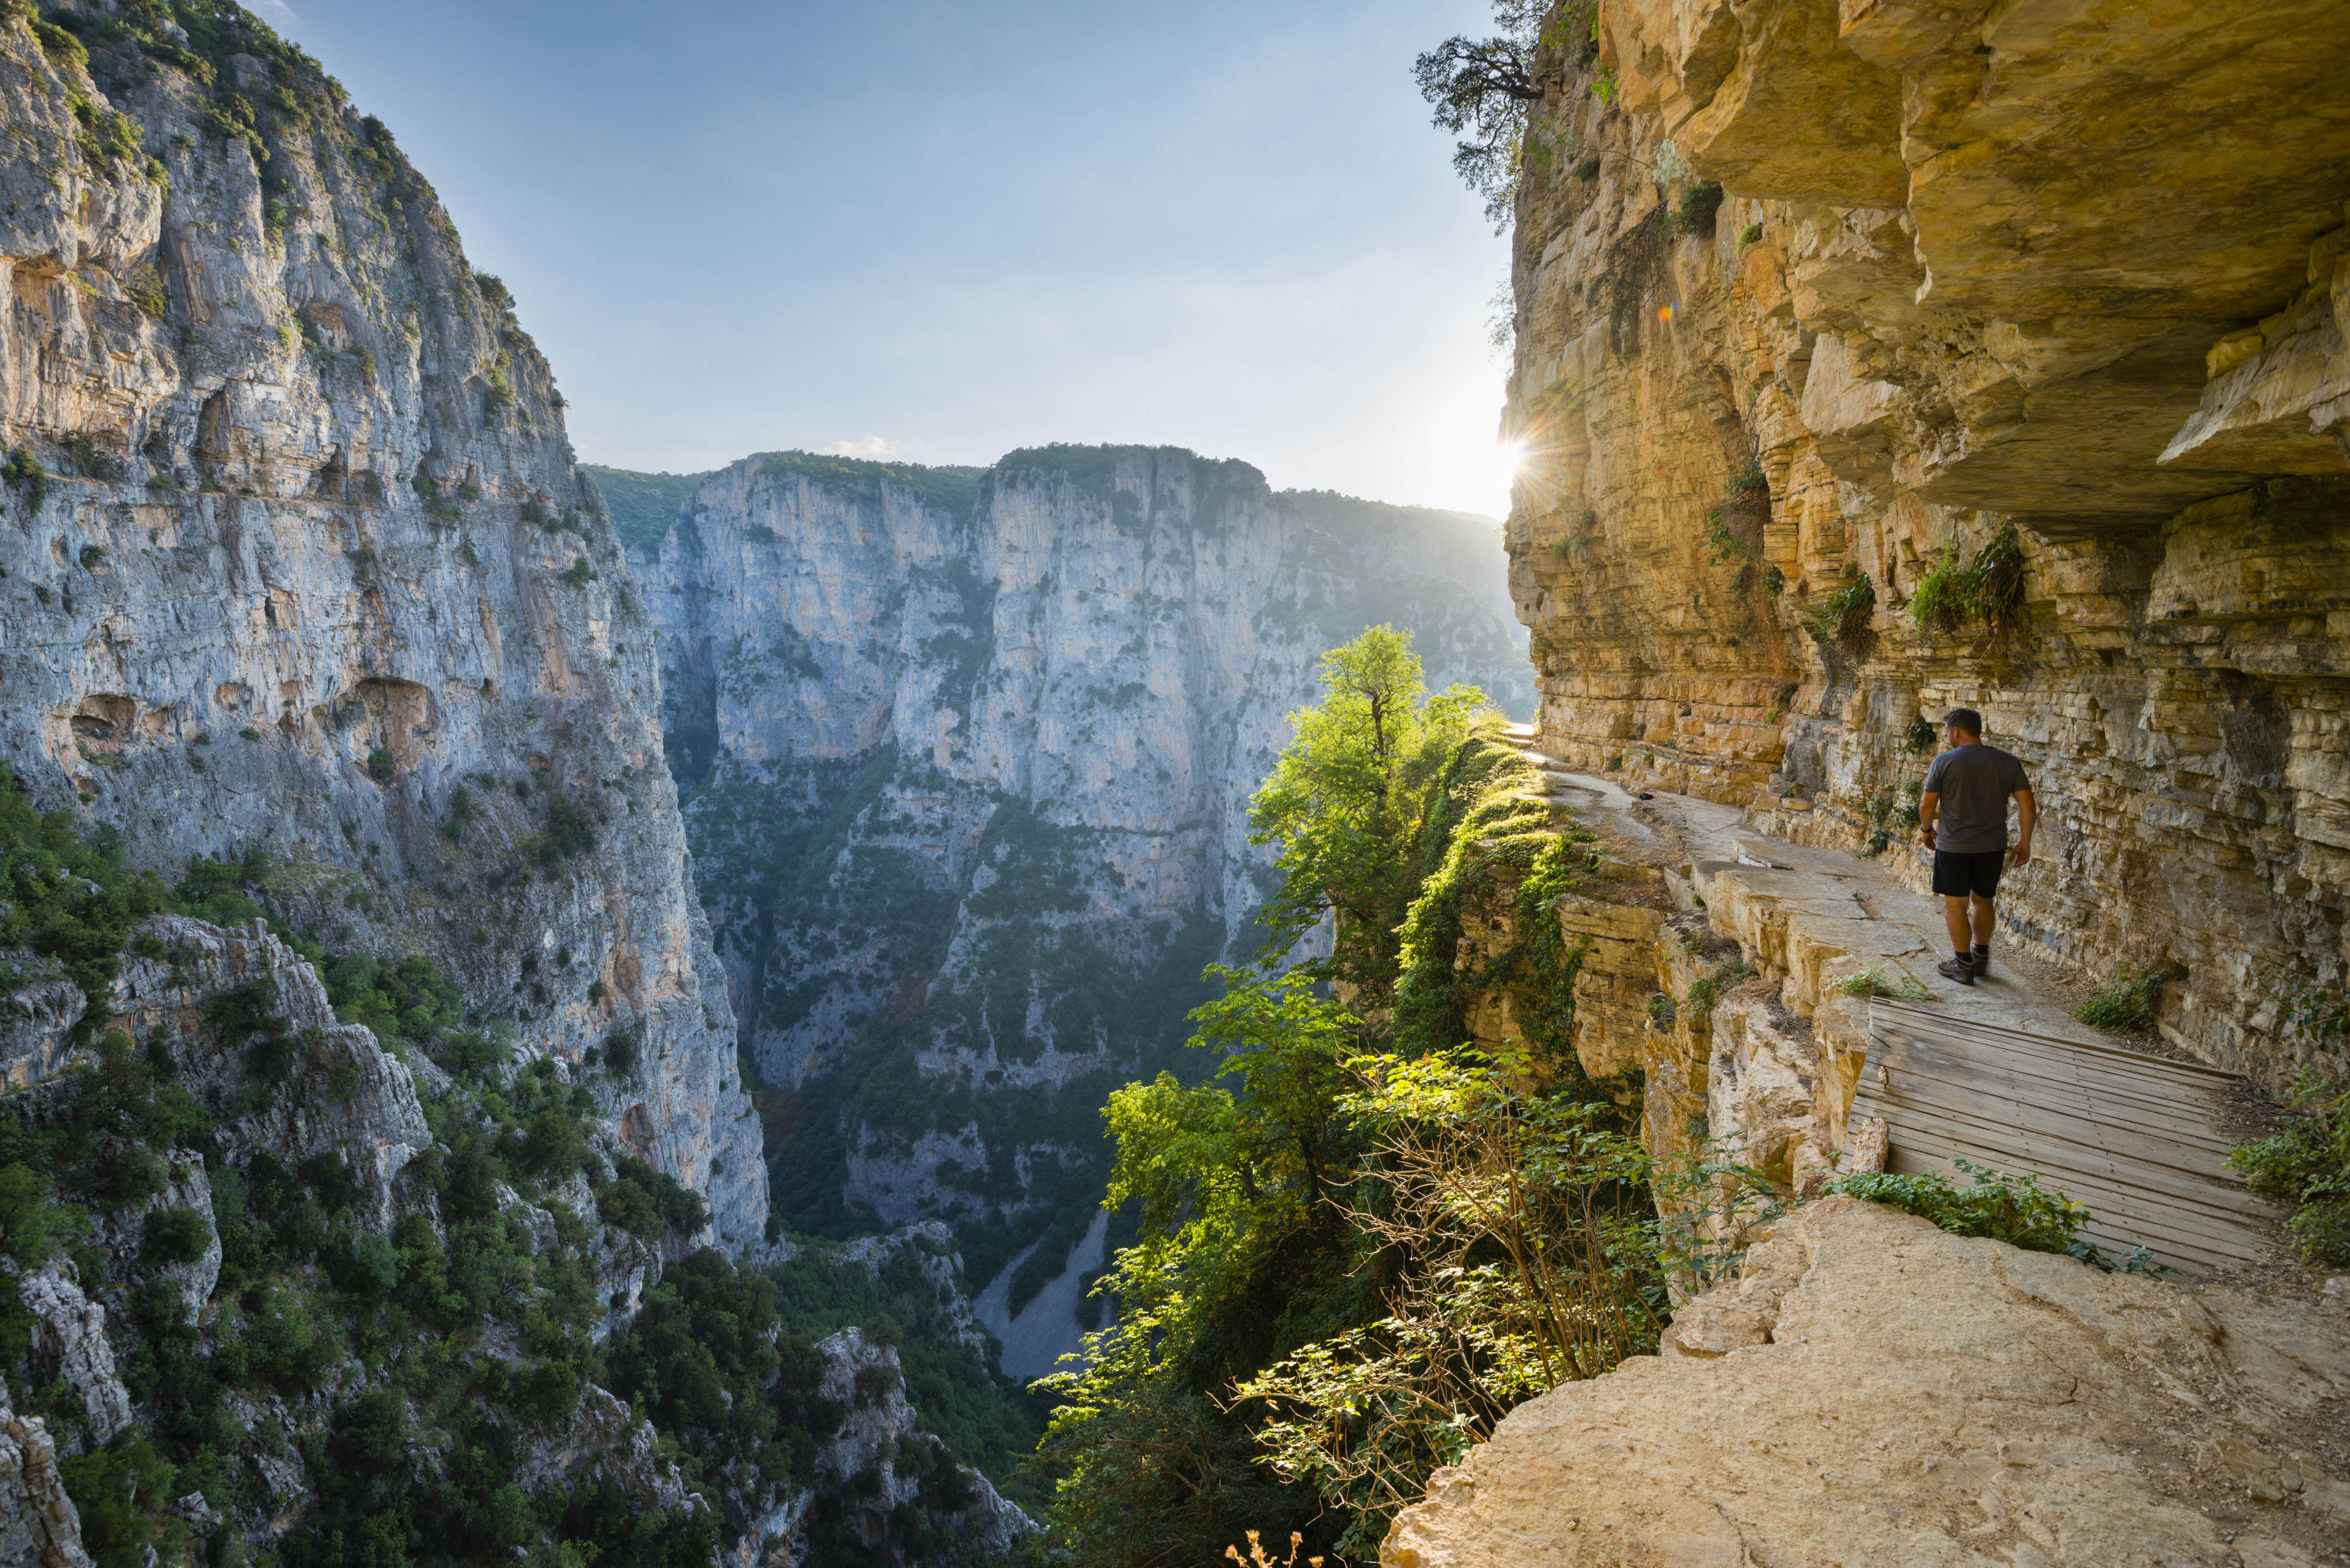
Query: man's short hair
(1966, 721)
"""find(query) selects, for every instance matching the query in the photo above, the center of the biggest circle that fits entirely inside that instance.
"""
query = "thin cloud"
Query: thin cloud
(877, 448)
(277, 12)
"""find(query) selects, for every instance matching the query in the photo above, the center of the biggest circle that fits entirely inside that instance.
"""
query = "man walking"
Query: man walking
(1962, 817)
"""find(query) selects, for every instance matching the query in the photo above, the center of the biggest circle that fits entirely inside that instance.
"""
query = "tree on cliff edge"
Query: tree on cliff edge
(1484, 87)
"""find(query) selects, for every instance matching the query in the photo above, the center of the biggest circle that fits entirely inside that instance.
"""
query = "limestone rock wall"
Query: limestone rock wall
(2071, 269)
(969, 756)
(310, 571)
(1872, 1389)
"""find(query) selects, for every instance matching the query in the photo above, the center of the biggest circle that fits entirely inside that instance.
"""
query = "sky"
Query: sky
(933, 232)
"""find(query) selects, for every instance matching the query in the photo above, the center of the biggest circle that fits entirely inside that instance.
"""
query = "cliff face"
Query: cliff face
(973, 754)
(296, 562)
(2003, 367)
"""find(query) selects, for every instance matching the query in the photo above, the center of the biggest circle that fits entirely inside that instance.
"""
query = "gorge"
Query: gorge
(968, 756)
(567, 1014)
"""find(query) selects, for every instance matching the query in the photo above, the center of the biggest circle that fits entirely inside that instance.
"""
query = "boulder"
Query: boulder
(1872, 1390)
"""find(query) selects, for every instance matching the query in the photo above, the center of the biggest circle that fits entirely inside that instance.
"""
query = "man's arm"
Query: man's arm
(1929, 805)
(2025, 814)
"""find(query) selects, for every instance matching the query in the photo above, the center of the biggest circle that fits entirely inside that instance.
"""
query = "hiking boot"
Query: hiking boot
(1962, 969)
(1982, 964)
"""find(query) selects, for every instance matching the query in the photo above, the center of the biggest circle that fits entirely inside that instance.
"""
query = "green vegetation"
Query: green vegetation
(1319, 1306)
(1874, 982)
(69, 896)
(2307, 1162)
(1843, 619)
(1985, 588)
(950, 490)
(25, 477)
(1696, 212)
(2011, 1209)
(417, 1365)
(2125, 1004)
(1486, 91)
(642, 505)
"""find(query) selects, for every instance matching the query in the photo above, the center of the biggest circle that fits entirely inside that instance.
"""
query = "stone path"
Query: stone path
(1999, 1072)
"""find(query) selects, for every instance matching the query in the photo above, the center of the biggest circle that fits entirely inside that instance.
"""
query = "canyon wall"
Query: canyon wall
(296, 564)
(968, 755)
(1878, 357)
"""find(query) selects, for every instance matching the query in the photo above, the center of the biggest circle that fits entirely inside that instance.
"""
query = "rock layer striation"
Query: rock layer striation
(1880, 358)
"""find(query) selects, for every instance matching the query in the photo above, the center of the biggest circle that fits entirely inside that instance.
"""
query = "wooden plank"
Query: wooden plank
(2110, 1200)
(2151, 1217)
(2138, 1140)
(2203, 1207)
(1933, 1071)
(2054, 1153)
(2085, 1121)
(2220, 1076)
(2045, 1058)
(2186, 1121)
(2081, 1122)
(2111, 1229)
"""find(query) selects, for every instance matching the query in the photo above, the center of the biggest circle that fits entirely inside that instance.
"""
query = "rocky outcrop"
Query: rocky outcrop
(38, 1525)
(880, 1459)
(1881, 357)
(969, 755)
(1872, 1389)
(298, 564)
(68, 1335)
(343, 1096)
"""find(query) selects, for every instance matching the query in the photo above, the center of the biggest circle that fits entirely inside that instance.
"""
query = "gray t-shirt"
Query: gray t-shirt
(1974, 782)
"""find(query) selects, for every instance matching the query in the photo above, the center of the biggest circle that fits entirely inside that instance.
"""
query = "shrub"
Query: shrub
(620, 1055)
(2005, 1208)
(176, 1236)
(119, 1491)
(1700, 203)
(1588, 169)
(1987, 587)
(89, 459)
(131, 1174)
(552, 1148)
(1752, 232)
(1843, 619)
(379, 766)
(2123, 1004)
(1940, 603)
(25, 477)
(31, 1227)
(625, 1205)
(1707, 989)
(2307, 1160)
(1874, 981)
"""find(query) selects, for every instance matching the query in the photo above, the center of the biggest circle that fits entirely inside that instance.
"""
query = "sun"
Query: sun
(1511, 459)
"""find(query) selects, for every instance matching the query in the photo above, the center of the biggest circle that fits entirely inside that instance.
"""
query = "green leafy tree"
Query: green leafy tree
(1360, 805)
(1483, 90)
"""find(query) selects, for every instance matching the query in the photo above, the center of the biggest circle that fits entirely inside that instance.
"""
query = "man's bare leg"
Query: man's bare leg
(1986, 922)
(1962, 966)
(1954, 916)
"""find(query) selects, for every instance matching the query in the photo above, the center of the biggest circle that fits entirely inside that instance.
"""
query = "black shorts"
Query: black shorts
(1956, 876)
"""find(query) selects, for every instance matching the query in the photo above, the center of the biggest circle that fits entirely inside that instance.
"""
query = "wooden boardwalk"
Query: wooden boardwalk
(2139, 1139)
